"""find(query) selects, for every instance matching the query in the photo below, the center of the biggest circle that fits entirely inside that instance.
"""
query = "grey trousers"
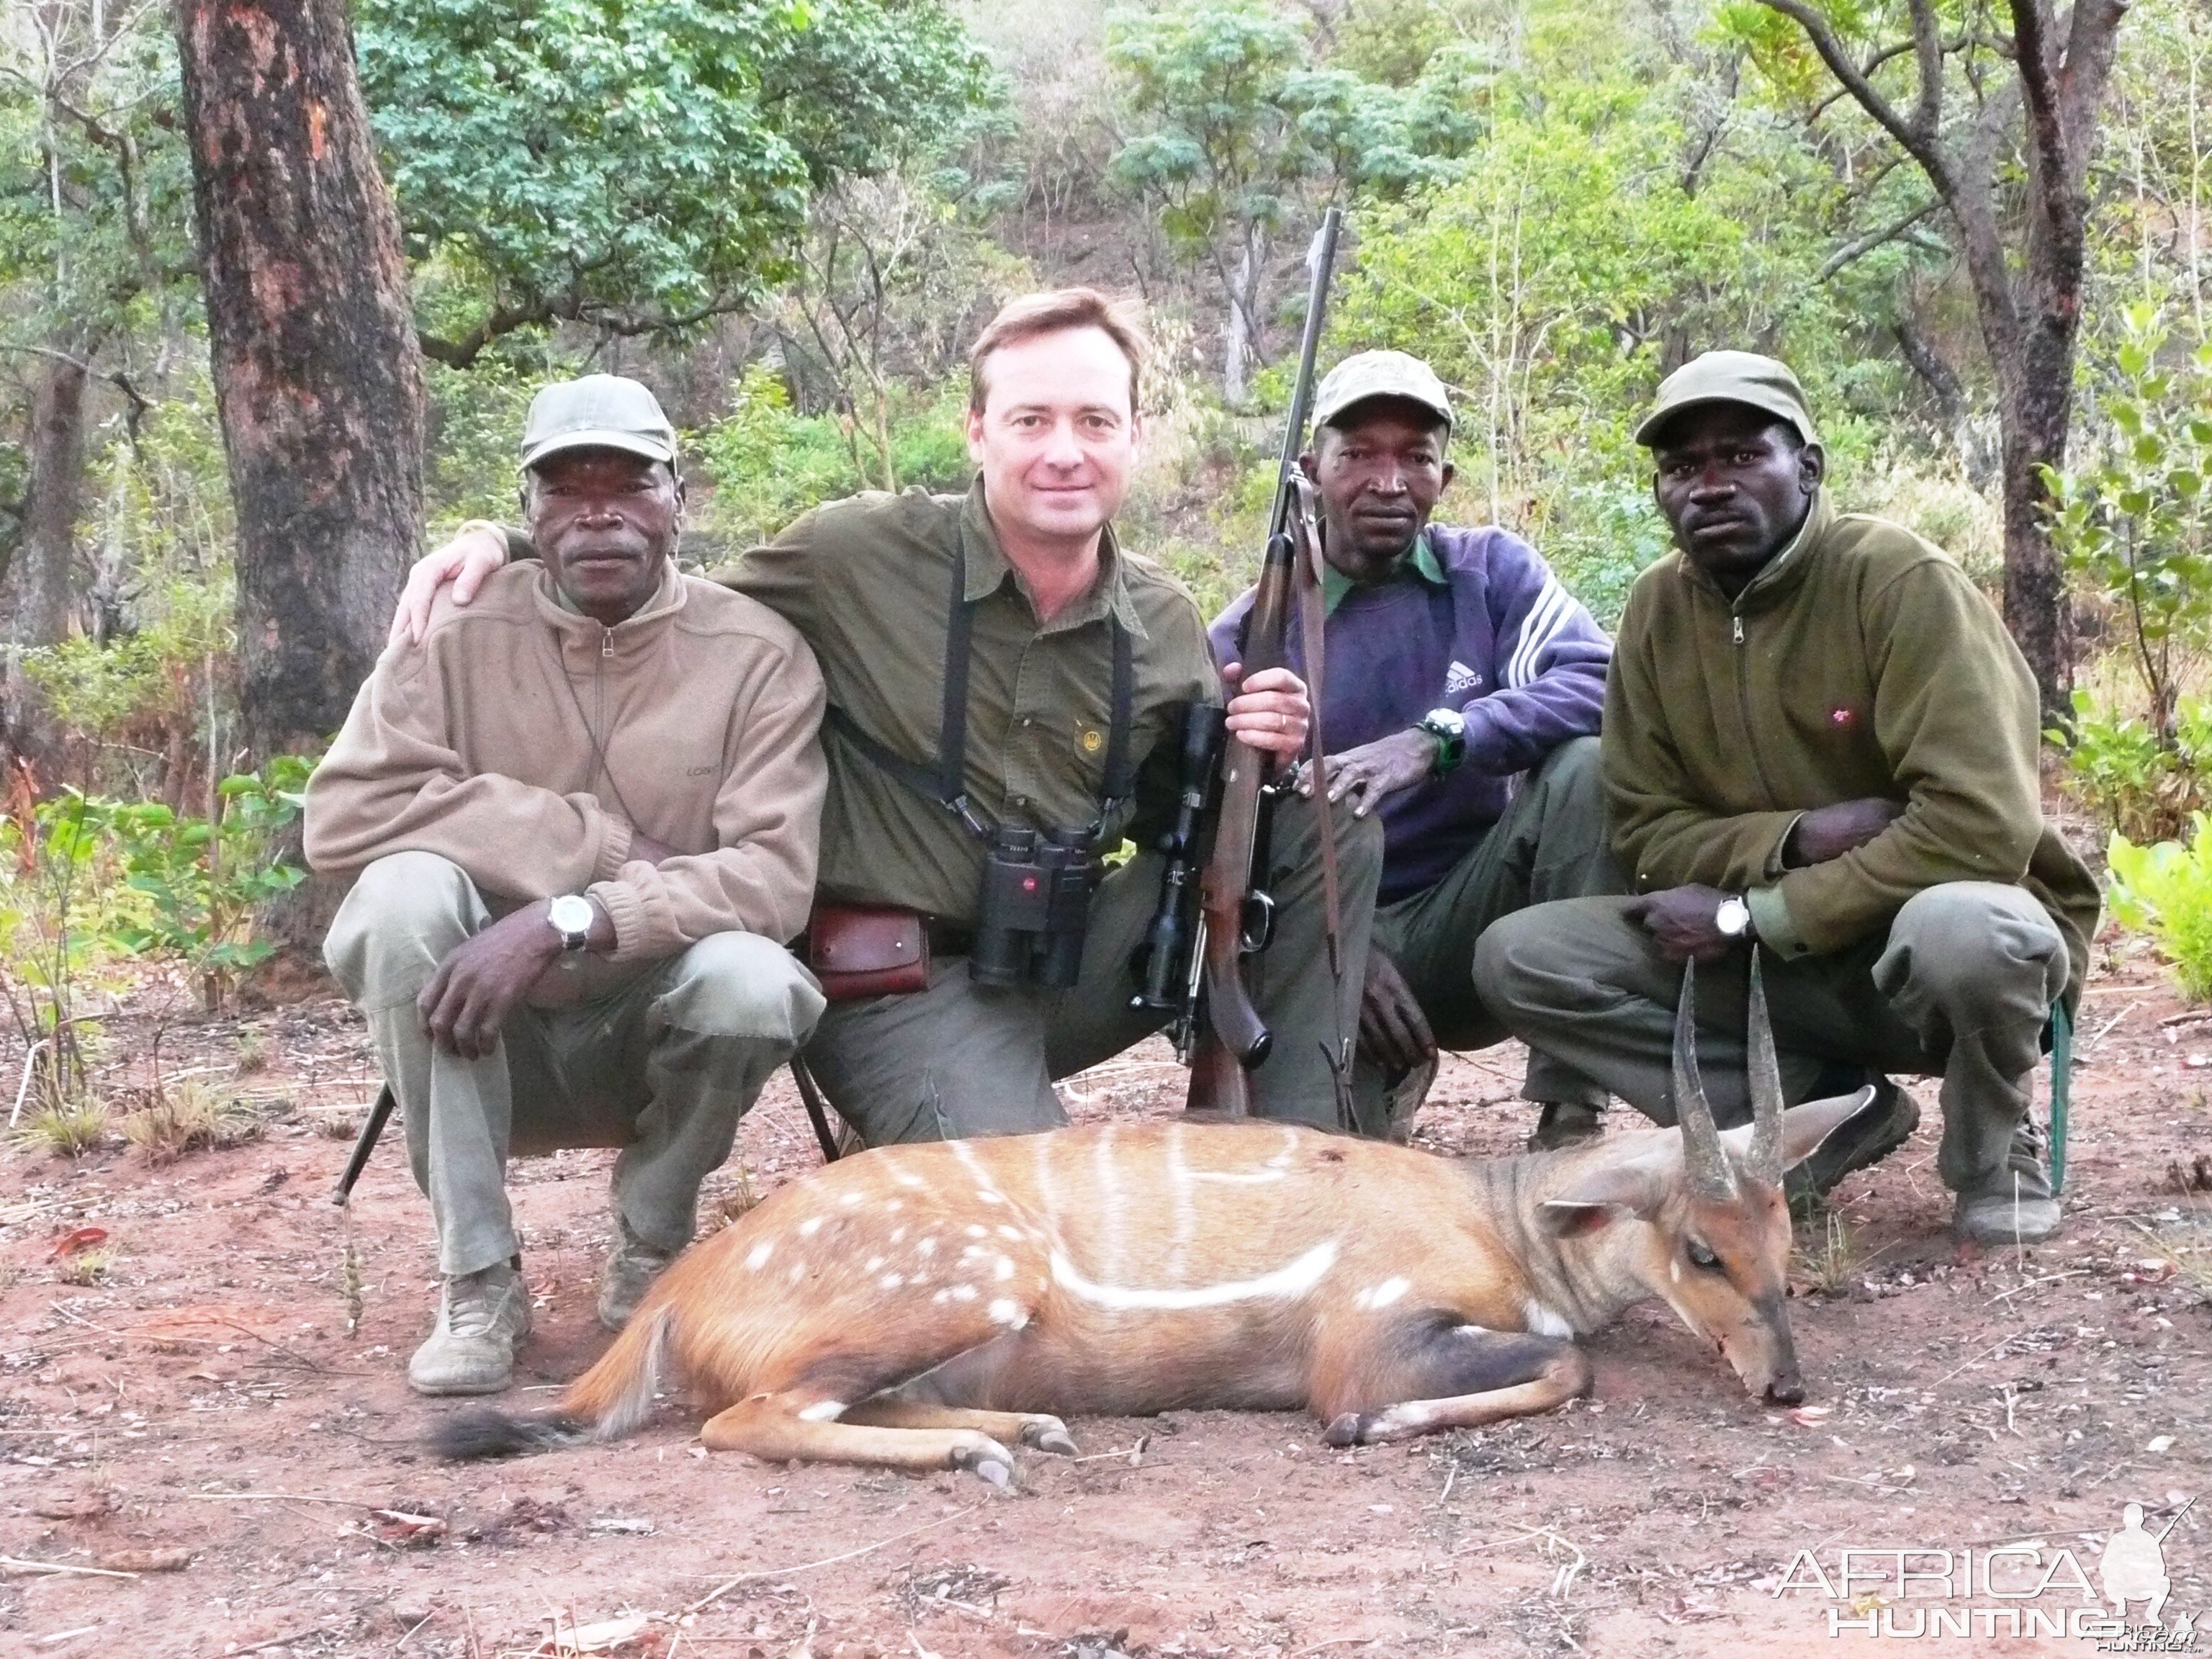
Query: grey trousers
(661, 1061)
(961, 1059)
(1551, 844)
(1961, 987)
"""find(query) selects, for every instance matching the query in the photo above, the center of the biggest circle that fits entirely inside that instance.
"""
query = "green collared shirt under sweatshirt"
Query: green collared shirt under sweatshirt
(1861, 662)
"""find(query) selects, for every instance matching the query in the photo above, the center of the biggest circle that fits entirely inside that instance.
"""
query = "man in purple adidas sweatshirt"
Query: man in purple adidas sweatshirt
(1460, 701)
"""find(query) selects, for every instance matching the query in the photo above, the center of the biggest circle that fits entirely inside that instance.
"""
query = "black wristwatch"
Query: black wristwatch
(1449, 730)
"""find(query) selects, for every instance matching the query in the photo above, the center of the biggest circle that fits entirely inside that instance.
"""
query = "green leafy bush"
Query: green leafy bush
(2165, 890)
(2141, 788)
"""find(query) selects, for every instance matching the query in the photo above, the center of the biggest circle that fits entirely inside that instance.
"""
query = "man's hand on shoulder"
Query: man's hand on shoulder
(465, 561)
(1684, 921)
(478, 985)
(1368, 775)
(1829, 832)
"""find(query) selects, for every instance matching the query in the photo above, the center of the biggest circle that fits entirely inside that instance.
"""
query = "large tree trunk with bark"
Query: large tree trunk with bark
(46, 559)
(2024, 258)
(318, 377)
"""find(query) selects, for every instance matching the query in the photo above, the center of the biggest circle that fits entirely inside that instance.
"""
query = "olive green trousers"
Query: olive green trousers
(661, 1059)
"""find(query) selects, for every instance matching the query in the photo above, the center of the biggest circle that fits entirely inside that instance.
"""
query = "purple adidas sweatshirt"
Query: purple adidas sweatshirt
(1499, 639)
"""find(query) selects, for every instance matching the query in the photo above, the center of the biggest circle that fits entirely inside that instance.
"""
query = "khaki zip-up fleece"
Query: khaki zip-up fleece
(523, 742)
(1861, 662)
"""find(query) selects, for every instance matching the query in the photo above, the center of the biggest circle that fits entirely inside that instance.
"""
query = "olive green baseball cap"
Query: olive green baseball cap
(1731, 377)
(1379, 375)
(600, 411)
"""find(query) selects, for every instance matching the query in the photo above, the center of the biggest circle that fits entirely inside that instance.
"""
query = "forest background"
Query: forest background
(789, 216)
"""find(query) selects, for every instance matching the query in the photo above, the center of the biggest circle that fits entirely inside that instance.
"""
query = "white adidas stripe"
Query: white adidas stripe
(1545, 617)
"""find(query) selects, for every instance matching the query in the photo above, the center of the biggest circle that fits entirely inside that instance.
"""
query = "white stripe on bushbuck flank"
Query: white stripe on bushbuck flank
(1295, 1278)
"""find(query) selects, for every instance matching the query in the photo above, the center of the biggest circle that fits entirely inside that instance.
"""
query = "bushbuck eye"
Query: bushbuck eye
(1701, 1257)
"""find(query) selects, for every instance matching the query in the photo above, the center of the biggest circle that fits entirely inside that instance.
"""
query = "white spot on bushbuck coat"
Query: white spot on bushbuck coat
(1293, 1279)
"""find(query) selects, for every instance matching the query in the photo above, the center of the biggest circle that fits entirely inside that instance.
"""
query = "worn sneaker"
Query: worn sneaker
(2014, 1206)
(629, 1271)
(482, 1319)
(1887, 1123)
(1564, 1123)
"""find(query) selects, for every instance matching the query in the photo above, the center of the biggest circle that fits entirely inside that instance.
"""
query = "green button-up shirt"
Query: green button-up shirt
(866, 581)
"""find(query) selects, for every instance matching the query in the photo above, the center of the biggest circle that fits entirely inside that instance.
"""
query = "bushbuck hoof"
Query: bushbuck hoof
(979, 1453)
(1048, 1434)
(1344, 1429)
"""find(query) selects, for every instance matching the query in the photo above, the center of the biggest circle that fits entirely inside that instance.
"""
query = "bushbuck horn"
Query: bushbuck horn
(1763, 1073)
(1702, 1156)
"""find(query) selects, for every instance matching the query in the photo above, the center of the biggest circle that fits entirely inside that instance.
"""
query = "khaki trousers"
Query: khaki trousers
(661, 1061)
(1551, 844)
(1961, 986)
(961, 1059)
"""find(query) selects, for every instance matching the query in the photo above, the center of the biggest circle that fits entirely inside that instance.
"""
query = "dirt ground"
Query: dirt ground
(229, 1393)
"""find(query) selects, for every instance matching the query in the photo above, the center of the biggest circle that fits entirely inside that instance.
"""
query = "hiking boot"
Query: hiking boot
(1886, 1124)
(482, 1319)
(1404, 1098)
(630, 1270)
(1564, 1123)
(2015, 1206)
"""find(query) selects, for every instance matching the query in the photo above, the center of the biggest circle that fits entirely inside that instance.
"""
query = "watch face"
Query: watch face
(1734, 916)
(571, 915)
(1448, 721)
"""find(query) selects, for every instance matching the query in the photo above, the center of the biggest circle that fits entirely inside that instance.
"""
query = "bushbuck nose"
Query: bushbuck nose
(1785, 1390)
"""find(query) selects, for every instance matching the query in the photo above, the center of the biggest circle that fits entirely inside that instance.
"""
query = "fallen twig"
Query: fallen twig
(279, 1641)
(2071, 1273)
(2196, 1017)
(721, 1590)
(11, 1564)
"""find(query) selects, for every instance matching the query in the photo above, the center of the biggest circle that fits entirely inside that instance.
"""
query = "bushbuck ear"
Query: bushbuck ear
(1602, 1194)
(1805, 1127)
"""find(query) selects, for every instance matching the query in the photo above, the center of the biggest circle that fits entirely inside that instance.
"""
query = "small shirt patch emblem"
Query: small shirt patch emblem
(1843, 719)
(1458, 679)
(1092, 740)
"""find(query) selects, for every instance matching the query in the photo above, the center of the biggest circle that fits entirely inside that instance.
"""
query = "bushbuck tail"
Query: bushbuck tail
(924, 1307)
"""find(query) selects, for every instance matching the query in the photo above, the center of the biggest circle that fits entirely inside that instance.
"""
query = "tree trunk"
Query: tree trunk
(318, 377)
(1240, 332)
(47, 560)
(2035, 406)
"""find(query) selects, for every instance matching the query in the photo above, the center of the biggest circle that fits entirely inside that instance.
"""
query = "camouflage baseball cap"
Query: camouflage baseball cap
(1379, 375)
(600, 411)
(1731, 377)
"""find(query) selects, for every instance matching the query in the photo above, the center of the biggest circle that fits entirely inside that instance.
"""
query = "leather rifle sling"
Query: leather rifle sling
(1307, 592)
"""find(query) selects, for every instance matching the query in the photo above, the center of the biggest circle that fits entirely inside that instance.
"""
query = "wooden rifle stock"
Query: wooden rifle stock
(1234, 919)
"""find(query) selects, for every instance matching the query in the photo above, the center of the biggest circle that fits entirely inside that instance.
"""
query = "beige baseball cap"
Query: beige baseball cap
(1731, 377)
(600, 411)
(1379, 375)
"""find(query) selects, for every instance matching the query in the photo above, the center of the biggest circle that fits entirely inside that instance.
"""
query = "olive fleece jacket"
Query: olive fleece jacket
(1860, 662)
(525, 742)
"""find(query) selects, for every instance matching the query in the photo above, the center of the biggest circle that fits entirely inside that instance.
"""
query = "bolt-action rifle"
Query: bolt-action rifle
(1201, 934)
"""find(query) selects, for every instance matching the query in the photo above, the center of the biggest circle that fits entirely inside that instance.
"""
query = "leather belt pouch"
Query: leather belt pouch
(867, 950)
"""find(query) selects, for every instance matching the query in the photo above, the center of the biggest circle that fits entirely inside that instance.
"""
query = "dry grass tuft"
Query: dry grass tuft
(86, 1268)
(188, 1118)
(68, 1130)
(1827, 1256)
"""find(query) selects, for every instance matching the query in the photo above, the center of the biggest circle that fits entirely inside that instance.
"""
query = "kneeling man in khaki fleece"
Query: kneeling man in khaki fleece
(583, 815)
(1819, 739)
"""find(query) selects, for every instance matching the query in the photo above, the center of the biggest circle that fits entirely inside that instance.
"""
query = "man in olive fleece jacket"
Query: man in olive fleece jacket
(1819, 739)
(583, 819)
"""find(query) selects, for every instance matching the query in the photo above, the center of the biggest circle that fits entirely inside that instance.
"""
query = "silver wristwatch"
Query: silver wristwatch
(1733, 919)
(571, 916)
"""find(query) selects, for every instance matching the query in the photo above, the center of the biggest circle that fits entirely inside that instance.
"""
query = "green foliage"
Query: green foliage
(643, 166)
(766, 464)
(2165, 890)
(2141, 785)
(202, 879)
(2136, 525)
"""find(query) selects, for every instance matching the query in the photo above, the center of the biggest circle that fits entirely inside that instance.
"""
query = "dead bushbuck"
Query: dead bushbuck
(923, 1307)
